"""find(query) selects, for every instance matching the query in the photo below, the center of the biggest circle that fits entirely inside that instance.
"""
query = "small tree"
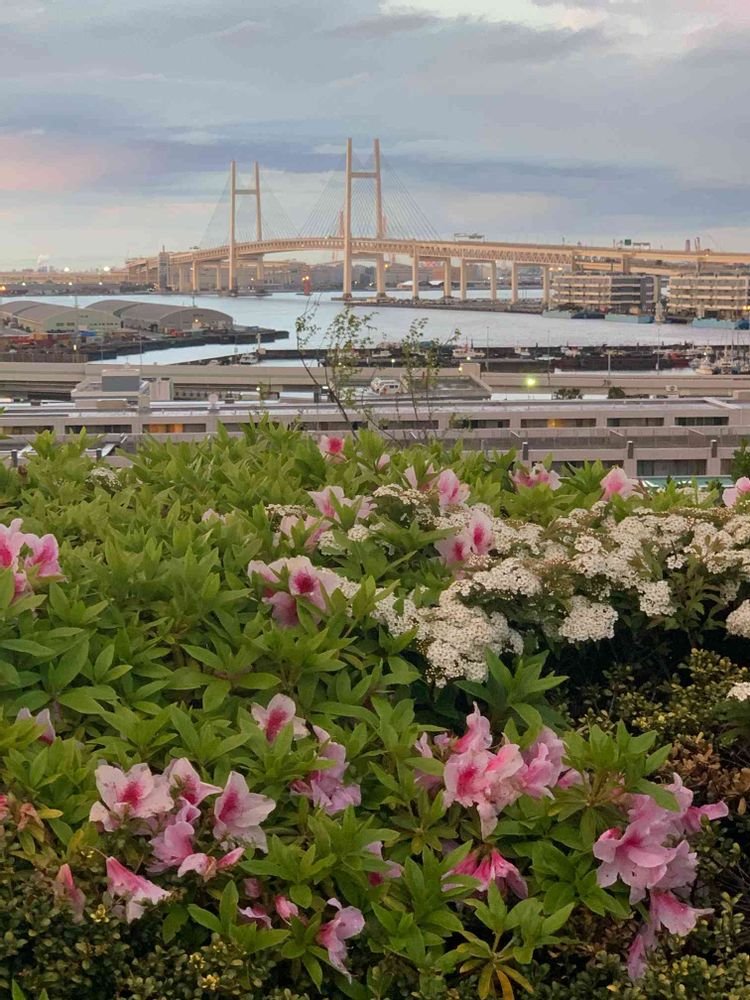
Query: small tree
(740, 465)
(567, 392)
(616, 392)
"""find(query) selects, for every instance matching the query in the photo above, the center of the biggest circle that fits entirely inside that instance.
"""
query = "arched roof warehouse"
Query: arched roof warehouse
(161, 316)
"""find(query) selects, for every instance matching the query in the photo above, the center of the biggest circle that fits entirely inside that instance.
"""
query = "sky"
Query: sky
(534, 120)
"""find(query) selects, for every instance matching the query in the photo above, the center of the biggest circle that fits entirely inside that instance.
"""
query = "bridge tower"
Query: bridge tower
(351, 175)
(234, 193)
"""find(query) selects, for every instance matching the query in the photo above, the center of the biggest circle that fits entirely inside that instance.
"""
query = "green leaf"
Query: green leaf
(228, 907)
(204, 918)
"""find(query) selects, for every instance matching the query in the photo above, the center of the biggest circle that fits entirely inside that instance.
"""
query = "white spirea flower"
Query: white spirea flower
(738, 621)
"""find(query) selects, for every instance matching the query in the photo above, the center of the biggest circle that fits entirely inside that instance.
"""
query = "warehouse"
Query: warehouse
(158, 317)
(43, 317)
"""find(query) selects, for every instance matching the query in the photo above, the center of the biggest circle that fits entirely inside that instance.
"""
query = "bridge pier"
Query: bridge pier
(493, 280)
(514, 283)
(447, 279)
(195, 277)
(380, 276)
(462, 280)
(545, 286)
(415, 274)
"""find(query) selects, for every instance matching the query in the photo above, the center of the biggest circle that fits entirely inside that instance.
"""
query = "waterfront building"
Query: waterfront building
(620, 293)
(158, 317)
(45, 318)
(719, 296)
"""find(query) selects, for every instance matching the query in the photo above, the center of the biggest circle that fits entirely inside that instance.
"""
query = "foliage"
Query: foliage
(207, 586)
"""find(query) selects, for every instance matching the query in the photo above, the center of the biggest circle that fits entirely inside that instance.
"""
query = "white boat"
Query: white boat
(249, 358)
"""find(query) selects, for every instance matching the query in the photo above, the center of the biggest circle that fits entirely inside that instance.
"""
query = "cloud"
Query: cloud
(582, 118)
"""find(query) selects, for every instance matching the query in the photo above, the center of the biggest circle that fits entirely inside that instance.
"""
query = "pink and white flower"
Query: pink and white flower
(617, 482)
(207, 866)
(327, 499)
(44, 556)
(186, 783)
(255, 915)
(537, 475)
(495, 868)
(279, 713)
(542, 765)
(393, 870)
(451, 491)
(66, 889)
(135, 794)
(347, 923)
(476, 539)
(332, 446)
(325, 788)
(239, 812)
(285, 908)
(134, 889)
(485, 780)
(175, 842)
(667, 911)
(42, 719)
(732, 493)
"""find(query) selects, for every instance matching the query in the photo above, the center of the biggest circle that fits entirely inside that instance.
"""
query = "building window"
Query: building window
(635, 421)
(672, 467)
(701, 421)
(560, 422)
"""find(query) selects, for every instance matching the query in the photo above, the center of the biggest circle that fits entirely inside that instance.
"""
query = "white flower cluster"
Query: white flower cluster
(588, 621)
(655, 598)
(740, 692)
(738, 621)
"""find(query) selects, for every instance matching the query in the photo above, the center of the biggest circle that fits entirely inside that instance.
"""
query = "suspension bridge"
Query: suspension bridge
(366, 212)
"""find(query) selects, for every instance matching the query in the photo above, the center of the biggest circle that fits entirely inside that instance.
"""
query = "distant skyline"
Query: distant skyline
(525, 119)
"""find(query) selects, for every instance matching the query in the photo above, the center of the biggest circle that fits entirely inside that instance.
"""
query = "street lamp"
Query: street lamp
(530, 382)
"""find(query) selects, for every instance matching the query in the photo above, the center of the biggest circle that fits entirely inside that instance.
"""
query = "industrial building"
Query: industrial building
(619, 293)
(158, 317)
(719, 296)
(44, 318)
(650, 437)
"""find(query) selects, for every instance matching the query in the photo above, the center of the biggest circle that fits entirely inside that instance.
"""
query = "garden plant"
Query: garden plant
(289, 718)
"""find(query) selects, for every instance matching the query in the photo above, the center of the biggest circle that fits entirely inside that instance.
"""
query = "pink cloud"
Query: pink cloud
(42, 163)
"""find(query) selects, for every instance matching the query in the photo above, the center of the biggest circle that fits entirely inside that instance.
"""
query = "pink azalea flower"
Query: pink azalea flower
(477, 735)
(42, 719)
(410, 475)
(280, 712)
(285, 908)
(456, 549)
(66, 889)
(451, 491)
(538, 475)
(332, 446)
(12, 540)
(310, 582)
(134, 889)
(693, 816)
(475, 539)
(383, 461)
(485, 780)
(542, 765)
(314, 527)
(186, 783)
(284, 609)
(616, 481)
(637, 858)
(207, 866)
(44, 555)
(732, 493)
(481, 532)
(495, 868)
(252, 888)
(4, 810)
(258, 568)
(324, 501)
(422, 778)
(28, 816)
(255, 914)
(137, 794)
(393, 871)
(239, 813)
(666, 910)
(347, 923)
(325, 788)
(642, 944)
(175, 842)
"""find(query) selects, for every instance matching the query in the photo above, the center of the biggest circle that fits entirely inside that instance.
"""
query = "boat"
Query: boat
(249, 358)
(629, 317)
